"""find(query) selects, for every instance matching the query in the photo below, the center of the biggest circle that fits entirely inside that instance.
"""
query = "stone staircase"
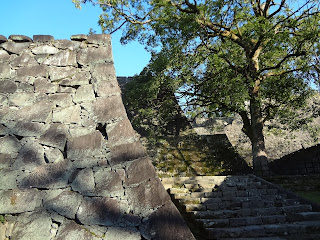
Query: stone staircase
(242, 207)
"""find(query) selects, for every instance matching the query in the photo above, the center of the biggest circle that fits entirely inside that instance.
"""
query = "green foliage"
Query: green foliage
(2, 219)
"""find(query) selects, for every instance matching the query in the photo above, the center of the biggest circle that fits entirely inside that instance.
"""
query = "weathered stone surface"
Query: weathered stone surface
(83, 94)
(52, 175)
(70, 230)
(106, 88)
(67, 115)
(45, 50)
(146, 196)
(69, 76)
(6, 160)
(104, 71)
(9, 145)
(127, 152)
(4, 55)
(30, 156)
(94, 55)
(15, 47)
(22, 99)
(4, 71)
(42, 38)
(167, 223)
(27, 129)
(35, 71)
(66, 44)
(53, 155)
(8, 179)
(61, 99)
(100, 39)
(43, 85)
(99, 211)
(23, 60)
(79, 37)
(59, 73)
(108, 183)
(55, 136)
(20, 38)
(118, 233)
(38, 112)
(7, 86)
(108, 108)
(66, 204)
(2, 39)
(139, 171)
(35, 226)
(121, 130)
(62, 58)
(79, 147)
(18, 201)
(84, 182)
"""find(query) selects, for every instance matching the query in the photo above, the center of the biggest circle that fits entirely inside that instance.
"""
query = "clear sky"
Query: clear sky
(61, 19)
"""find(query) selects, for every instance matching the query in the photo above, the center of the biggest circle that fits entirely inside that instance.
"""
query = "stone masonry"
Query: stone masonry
(71, 165)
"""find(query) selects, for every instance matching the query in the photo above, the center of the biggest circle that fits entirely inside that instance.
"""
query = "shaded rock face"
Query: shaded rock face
(71, 165)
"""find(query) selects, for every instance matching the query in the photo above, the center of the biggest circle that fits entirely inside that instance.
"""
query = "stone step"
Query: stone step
(249, 212)
(268, 230)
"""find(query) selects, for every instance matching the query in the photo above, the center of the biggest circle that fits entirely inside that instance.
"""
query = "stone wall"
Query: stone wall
(71, 166)
(302, 162)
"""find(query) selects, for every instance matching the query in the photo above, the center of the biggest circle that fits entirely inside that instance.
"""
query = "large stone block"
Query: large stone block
(53, 155)
(35, 226)
(42, 38)
(62, 58)
(121, 130)
(147, 196)
(45, 50)
(84, 182)
(38, 112)
(8, 179)
(23, 60)
(167, 223)
(139, 171)
(3, 39)
(108, 183)
(109, 108)
(61, 99)
(86, 145)
(43, 85)
(15, 47)
(100, 211)
(66, 44)
(70, 230)
(7, 86)
(92, 56)
(100, 39)
(22, 99)
(9, 145)
(27, 129)
(4, 55)
(30, 156)
(19, 201)
(55, 136)
(104, 71)
(6, 160)
(127, 152)
(107, 88)
(4, 71)
(67, 115)
(84, 93)
(20, 38)
(34, 71)
(49, 176)
(66, 204)
(118, 233)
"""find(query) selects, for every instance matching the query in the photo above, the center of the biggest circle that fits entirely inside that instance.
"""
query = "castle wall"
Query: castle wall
(71, 165)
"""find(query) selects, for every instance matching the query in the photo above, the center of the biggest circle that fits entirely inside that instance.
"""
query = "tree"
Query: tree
(249, 57)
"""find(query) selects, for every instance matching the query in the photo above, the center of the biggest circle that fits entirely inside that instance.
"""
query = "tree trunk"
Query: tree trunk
(260, 159)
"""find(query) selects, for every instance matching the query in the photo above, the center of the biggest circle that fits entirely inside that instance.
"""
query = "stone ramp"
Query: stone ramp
(242, 207)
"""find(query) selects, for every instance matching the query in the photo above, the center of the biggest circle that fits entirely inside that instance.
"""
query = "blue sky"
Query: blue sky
(61, 19)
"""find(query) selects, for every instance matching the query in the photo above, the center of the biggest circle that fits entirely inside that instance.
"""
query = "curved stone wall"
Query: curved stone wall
(71, 166)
